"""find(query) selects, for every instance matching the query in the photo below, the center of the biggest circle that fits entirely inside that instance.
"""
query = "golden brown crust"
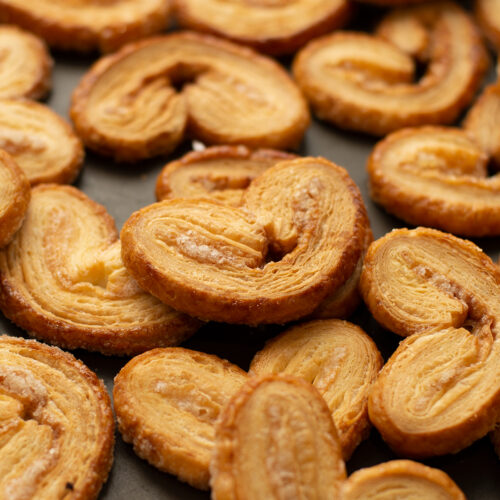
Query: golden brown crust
(62, 279)
(439, 391)
(26, 64)
(40, 141)
(364, 83)
(272, 27)
(185, 389)
(488, 17)
(438, 177)
(15, 195)
(230, 95)
(305, 216)
(85, 25)
(57, 424)
(339, 359)
(275, 436)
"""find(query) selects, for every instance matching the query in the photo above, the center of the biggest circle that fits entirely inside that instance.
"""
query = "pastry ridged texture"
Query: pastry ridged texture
(26, 64)
(56, 424)
(14, 197)
(438, 177)
(365, 83)
(85, 25)
(440, 390)
(339, 359)
(42, 143)
(297, 239)
(488, 17)
(62, 279)
(276, 439)
(273, 27)
(142, 101)
(167, 401)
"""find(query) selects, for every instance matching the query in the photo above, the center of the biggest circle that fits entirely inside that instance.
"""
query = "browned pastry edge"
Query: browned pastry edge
(491, 31)
(273, 46)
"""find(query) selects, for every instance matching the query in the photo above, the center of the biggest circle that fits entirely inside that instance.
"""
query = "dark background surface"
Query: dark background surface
(125, 188)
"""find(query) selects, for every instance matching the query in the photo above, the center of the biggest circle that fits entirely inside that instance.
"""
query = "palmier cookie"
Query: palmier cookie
(276, 439)
(62, 280)
(26, 66)
(365, 83)
(41, 142)
(85, 25)
(14, 197)
(167, 401)
(488, 16)
(56, 424)
(127, 105)
(274, 27)
(440, 390)
(296, 239)
(339, 359)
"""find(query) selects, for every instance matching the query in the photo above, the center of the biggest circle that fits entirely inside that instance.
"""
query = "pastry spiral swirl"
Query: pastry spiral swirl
(26, 64)
(440, 390)
(339, 359)
(275, 27)
(41, 142)
(488, 16)
(85, 25)
(127, 105)
(364, 83)
(297, 239)
(62, 279)
(15, 195)
(185, 388)
(56, 424)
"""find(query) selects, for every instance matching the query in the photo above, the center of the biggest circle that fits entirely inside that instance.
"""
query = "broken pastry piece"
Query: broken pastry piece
(272, 27)
(143, 100)
(63, 281)
(185, 389)
(86, 25)
(296, 239)
(365, 83)
(26, 68)
(439, 391)
(339, 359)
(56, 424)
(15, 195)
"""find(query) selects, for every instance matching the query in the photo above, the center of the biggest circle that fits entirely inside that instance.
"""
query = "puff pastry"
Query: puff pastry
(274, 27)
(339, 359)
(56, 424)
(26, 64)
(41, 142)
(127, 105)
(85, 25)
(440, 390)
(187, 390)
(275, 439)
(14, 197)
(436, 176)
(296, 239)
(365, 83)
(488, 16)
(62, 279)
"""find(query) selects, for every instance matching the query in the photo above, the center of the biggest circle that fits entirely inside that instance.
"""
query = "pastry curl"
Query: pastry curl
(339, 359)
(296, 239)
(273, 27)
(127, 105)
(440, 390)
(56, 424)
(185, 389)
(26, 64)
(62, 280)
(488, 16)
(40, 141)
(436, 176)
(15, 195)
(365, 83)
(86, 25)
